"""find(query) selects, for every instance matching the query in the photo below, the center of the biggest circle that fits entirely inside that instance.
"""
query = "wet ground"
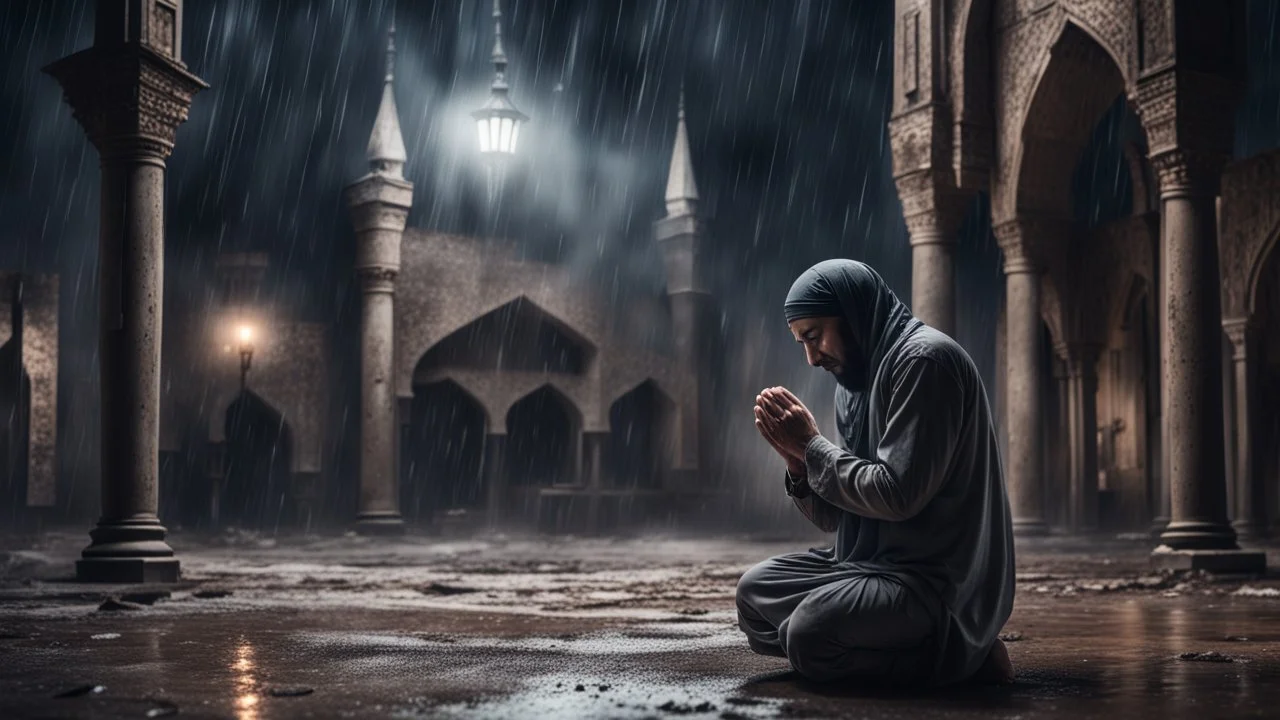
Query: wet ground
(504, 628)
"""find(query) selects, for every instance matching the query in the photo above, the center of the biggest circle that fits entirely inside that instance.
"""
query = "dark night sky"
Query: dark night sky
(787, 104)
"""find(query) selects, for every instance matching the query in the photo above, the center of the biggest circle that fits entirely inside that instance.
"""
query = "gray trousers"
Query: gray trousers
(836, 621)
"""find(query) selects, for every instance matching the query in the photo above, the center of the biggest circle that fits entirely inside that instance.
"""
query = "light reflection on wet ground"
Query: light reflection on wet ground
(342, 627)
(1108, 656)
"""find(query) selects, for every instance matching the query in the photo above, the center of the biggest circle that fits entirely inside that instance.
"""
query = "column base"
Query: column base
(1250, 530)
(1198, 535)
(1158, 525)
(1213, 561)
(1030, 528)
(380, 523)
(128, 551)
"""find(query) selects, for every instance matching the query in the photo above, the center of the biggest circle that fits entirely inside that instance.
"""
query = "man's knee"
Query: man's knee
(752, 585)
(863, 631)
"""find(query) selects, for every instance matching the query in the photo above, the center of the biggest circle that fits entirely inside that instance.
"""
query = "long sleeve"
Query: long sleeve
(925, 418)
(824, 515)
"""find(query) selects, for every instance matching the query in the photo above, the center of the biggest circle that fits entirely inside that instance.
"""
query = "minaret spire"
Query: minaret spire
(682, 188)
(386, 151)
(499, 55)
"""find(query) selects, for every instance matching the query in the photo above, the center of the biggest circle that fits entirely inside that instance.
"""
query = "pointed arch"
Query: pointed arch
(518, 334)
(1075, 84)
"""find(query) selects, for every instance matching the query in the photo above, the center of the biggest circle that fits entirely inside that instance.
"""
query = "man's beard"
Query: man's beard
(852, 377)
(852, 373)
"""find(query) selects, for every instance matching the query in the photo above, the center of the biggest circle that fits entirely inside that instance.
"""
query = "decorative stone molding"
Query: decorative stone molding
(932, 208)
(920, 139)
(1157, 38)
(1183, 172)
(1249, 222)
(1240, 331)
(1015, 248)
(377, 279)
(129, 99)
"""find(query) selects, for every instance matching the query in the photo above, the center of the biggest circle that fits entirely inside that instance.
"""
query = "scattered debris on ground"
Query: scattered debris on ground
(1012, 636)
(286, 691)
(1211, 656)
(115, 604)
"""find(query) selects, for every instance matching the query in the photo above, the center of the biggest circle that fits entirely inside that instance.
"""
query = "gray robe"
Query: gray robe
(921, 577)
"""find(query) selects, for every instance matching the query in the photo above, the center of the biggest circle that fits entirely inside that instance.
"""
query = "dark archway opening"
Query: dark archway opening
(256, 481)
(1266, 435)
(442, 453)
(638, 452)
(542, 435)
(15, 438)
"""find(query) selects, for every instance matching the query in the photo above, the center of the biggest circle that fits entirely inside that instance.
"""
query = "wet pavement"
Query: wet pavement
(346, 627)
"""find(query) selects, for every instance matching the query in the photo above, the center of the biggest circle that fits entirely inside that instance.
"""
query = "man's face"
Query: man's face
(824, 343)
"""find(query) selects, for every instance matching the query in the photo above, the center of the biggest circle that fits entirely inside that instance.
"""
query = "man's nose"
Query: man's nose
(812, 356)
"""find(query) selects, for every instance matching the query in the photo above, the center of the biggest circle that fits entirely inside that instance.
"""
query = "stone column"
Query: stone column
(932, 211)
(1059, 440)
(379, 487)
(1025, 477)
(1198, 532)
(1082, 382)
(379, 203)
(130, 92)
(1250, 494)
(494, 471)
(592, 475)
(1193, 360)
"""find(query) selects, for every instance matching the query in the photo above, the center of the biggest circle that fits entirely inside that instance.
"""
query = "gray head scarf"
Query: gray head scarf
(874, 319)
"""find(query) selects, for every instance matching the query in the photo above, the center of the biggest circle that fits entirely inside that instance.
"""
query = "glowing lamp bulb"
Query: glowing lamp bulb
(246, 333)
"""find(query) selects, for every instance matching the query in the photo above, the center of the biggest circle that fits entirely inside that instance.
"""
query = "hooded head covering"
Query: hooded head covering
(874, 320)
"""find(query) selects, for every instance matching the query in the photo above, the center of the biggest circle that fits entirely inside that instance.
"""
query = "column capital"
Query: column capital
(1240, 331)
(931, 207)
(129, 99)
(1018, 258)
(1182, 172)
(377, 279)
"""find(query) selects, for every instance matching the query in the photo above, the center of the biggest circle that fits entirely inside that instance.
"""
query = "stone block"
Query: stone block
(1212, 561)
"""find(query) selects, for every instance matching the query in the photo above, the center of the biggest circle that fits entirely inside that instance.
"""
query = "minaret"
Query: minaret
(680, 235)
(379, 204)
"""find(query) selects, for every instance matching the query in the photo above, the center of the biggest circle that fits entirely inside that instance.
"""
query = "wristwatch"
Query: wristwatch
(798, 488)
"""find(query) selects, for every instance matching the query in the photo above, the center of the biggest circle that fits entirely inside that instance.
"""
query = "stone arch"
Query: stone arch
(442, 454)
(257, 465)
(1257, 269)
(1075, 84)
(642, 438)
(544, 436)
(518, 334)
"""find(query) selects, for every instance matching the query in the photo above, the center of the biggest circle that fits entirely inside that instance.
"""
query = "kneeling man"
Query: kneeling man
(920, 579)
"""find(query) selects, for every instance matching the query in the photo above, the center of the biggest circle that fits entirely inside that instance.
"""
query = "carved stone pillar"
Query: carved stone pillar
(494, 473)
(933, 212)
(130, 91)
(1082, 384)
(1250, 493)
(379, 489)
(1024, 407)
(1193, 360)
(593, 475)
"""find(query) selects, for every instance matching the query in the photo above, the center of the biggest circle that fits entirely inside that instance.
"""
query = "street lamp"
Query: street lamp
(245, 333)
(498, 122)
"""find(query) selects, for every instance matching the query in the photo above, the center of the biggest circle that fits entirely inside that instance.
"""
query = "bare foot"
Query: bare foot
(997, 669)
